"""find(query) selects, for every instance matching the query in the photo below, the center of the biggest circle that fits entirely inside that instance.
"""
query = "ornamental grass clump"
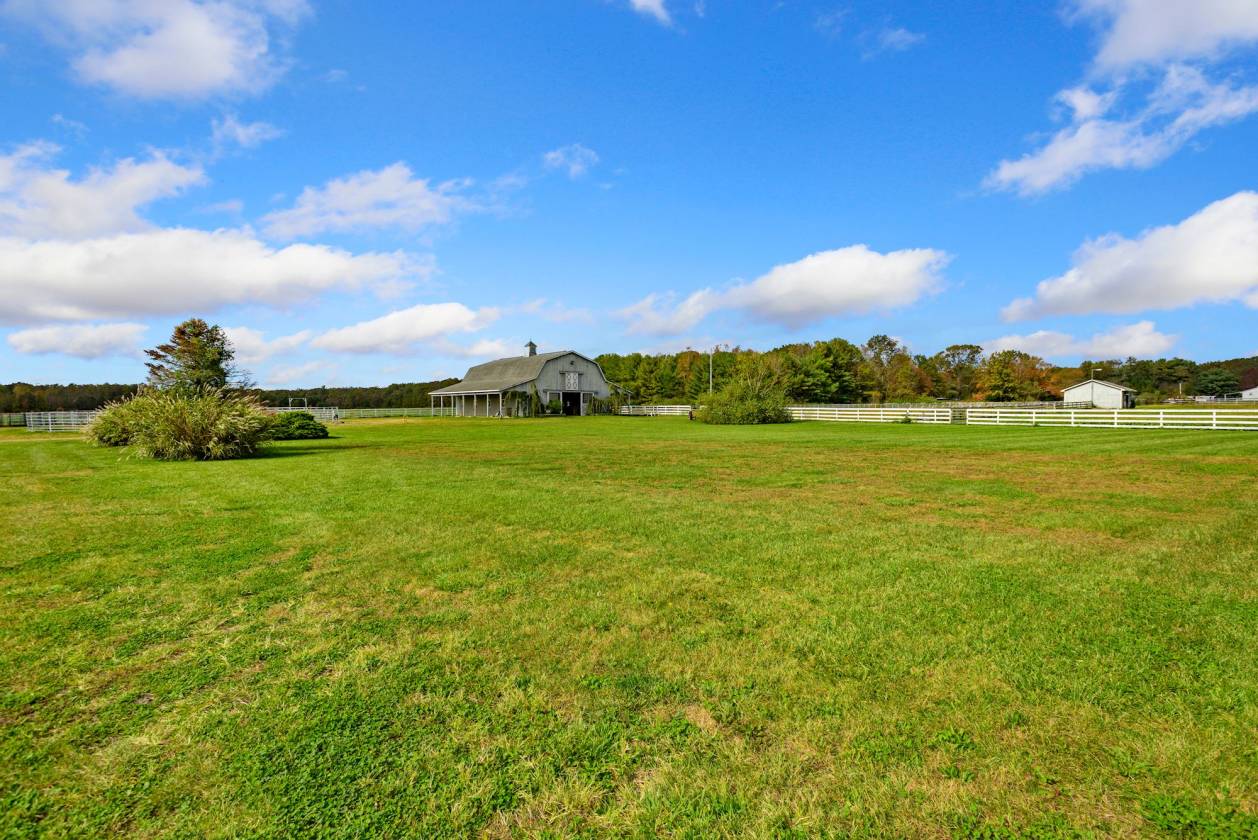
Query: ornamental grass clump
(206, 424)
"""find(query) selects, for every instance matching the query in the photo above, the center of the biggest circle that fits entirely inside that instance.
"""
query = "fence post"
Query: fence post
(1162, 419)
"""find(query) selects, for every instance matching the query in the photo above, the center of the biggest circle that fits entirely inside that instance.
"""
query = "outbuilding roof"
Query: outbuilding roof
(1101, 382)
(502, 374)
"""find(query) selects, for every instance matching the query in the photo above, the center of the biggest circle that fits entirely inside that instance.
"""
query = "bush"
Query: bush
(203, 425)
(116, 423)
(297, 425)
(743, 403)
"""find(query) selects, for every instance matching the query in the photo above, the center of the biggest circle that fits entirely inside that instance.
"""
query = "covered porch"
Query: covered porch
(485, 403)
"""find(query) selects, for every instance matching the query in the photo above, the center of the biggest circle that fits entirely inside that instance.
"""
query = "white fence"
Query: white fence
(58, 421)
(655, 410)
(1131, 418)
(862, 414)
(837, 413)
(367, 413)
(326, 415)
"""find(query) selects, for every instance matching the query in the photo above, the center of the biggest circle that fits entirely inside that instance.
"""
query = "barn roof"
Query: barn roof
(1100, 382)
(502, 374)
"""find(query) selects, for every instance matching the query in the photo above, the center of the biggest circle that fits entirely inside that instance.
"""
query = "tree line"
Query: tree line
(22, 396)
(834, 371)
(884, 370)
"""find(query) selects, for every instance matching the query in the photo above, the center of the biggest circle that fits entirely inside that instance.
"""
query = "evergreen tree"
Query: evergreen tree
(697, 383)
(665, 384)
(197, 356)
(643, 384)
(1217, 382)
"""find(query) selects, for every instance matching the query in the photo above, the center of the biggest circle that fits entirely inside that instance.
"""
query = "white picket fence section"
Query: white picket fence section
(1131, 418)
(862, 414)
(368, 413)
(58, 421)
(655, 410)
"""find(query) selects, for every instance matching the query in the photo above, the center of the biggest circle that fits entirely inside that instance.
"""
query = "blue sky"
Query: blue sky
(366, 194)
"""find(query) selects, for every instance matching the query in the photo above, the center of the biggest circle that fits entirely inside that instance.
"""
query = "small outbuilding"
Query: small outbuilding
(506, 387)
(1250, 393)
(1101, 394)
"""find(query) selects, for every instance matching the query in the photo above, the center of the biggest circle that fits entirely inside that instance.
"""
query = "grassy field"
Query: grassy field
(645, 627)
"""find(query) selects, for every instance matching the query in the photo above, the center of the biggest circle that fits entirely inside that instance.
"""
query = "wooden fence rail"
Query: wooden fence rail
(1130, 418)
(870, 414)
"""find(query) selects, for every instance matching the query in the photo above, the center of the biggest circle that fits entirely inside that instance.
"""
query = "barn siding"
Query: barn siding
(551, 377)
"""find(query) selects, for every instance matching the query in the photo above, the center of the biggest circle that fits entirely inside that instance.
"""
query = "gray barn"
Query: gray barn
(1101, 394)
(504, 387)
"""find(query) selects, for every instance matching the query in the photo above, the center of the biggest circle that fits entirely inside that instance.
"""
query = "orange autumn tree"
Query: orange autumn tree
(1014, 376)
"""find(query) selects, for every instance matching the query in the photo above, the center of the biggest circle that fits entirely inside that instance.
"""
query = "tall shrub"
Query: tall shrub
(183, 425)
(297, 425)
(757, 394)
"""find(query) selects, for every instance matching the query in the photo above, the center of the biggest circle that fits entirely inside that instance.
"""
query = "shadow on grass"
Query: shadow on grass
(323, 448)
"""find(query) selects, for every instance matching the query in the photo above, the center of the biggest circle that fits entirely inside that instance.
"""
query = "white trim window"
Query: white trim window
(571, 380)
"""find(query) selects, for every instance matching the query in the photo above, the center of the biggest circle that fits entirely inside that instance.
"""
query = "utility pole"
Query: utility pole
(710, 352)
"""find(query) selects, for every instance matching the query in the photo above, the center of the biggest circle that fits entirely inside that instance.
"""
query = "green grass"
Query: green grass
(644, 627)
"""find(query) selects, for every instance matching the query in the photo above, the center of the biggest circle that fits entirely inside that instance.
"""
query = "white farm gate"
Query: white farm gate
(1131, 418)
(326, 415)
(58, 421)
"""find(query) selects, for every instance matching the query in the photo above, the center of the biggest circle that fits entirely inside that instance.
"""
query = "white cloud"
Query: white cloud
(1141, 340)
(893, 39)
(86, 341)
(296, 375)
(78, 129)
(574, 158)
(830, 23)
(1141, 40)
(1183, 105)
(846, 281)
(230, 132)
(652, 8)
(657, 314)
(1210, 257)
(486, 348)
(166, 49)
(230, 207)
(403, 331)
(1154, 31)
(1085, 103)
(389, 197)
(557, 312)
(174, 271)
(252, 347)
(39, 202)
